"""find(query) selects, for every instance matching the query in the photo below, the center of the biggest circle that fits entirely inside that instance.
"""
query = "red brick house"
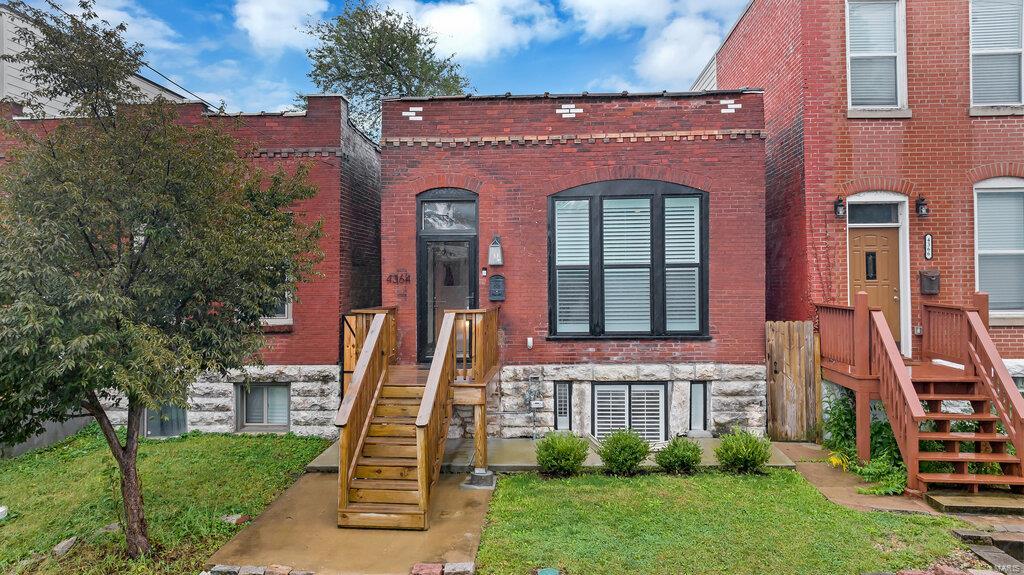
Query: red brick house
(631, 277)
(895, 167)
(298, 389)
(890, 107)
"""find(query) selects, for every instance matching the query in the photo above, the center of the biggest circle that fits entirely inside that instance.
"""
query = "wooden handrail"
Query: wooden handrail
(902, 406)
(476, 344)
(945, 333)
(353, 417)
(984, 361)
(844, 334)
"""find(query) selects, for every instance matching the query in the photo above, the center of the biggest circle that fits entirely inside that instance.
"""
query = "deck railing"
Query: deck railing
(353, 417)
(477, 344)
(944, 333)
(836, 325)
(355, 326)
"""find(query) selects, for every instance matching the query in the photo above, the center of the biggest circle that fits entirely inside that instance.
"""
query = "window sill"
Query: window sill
(982, 111)
(879, 113)
(257, 430)
(619, 337)
(1015, 319)
(277, 328)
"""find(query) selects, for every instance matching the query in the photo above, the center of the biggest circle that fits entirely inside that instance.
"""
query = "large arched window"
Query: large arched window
(628, 258)
(999, 242)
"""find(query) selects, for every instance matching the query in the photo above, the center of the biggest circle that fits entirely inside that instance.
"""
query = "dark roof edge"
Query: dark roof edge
(550, 96)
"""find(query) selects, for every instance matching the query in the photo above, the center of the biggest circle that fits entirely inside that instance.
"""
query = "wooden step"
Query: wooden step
(372, 468)
(967, 456)
(389, 449)
(399, 400)
(962, 436)
(384, 410)
(953, 397)
(383, 496)
(401, 391)
(939, 416)
(391, 430)
(970, 479)
(382, 516)
(395, 484)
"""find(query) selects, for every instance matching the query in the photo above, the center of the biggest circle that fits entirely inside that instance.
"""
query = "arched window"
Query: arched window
(628, 258)
(999, 242)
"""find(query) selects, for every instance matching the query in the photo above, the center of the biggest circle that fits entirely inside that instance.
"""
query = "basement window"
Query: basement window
(699, 406)
(563, 405)
(642, 407)
(263, 408)
(167, 421)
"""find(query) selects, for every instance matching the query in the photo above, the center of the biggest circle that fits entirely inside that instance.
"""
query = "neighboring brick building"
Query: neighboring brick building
(667, 190)
(933, 113)
(298, 389)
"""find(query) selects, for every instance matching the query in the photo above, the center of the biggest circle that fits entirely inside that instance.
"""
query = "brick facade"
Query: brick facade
(465, 144)
(796, 52)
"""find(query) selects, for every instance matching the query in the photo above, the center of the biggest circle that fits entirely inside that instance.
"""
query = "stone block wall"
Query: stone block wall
(314, 391)
(738, 396)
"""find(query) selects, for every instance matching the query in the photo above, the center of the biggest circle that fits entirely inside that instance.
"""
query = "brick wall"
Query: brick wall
(464, 144)
(939, 153)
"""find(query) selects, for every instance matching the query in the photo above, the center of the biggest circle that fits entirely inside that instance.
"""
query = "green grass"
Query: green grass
(188, 484)
(709, 523)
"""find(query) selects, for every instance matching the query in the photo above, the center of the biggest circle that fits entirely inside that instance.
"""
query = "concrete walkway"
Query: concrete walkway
(511, 455)
(300, 529)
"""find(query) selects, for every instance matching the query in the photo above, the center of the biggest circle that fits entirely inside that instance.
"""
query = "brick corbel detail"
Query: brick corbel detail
(461, 181)
(877, 184)
(627, 172)
(995, 170)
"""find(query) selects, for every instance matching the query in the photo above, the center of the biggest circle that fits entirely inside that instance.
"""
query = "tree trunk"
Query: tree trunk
(135, 529)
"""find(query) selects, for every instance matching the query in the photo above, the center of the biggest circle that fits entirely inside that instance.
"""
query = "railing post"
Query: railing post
(343, 464)
(861, 335)
(981, 303)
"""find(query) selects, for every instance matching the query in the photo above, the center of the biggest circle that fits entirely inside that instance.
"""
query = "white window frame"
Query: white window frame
(285, 319)
(628, 386)
(901, 58)
(996, 185)
(240, 396)
(566, 388)
(970, 63)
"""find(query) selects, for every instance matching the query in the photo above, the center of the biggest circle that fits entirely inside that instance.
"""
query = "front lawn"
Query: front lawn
(709, 523)
(188, 484)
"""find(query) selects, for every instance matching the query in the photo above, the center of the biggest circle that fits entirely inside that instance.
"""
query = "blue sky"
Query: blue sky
(251, 53)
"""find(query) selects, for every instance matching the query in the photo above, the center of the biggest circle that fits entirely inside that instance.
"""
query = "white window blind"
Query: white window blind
(698, 406)
(277, 405)
(626, 225)
(873, 53)
(1000, 245)
(562, 405)
(636, 406)
(266, 405)
(682, 261)
(996, 27)
(610, 409)
(572, 261)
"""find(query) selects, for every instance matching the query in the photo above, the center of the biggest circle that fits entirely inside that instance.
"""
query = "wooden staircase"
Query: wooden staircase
(959, 362)
(393, 420)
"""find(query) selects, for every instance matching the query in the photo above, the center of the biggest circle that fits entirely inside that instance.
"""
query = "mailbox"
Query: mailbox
(496, 288)
(929, 282)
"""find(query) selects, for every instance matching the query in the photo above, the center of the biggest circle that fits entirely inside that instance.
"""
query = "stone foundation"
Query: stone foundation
(314, 391)
(737, 396)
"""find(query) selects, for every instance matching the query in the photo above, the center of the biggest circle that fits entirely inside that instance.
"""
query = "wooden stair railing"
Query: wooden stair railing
(477, 360)
(354, 413)
(355, 325)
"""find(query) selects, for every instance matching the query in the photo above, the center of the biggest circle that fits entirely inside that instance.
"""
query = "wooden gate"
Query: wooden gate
(794, 381)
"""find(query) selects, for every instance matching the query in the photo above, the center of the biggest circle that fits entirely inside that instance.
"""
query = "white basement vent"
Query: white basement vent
(414, 113)
(640, 407)
(729, 106)
(568, 110)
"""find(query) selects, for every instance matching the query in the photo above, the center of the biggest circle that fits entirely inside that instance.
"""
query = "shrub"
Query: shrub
(561, 454)
(623, 451)
(680, 456)
(743, 452)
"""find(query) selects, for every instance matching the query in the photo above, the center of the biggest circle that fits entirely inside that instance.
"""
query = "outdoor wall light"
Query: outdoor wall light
(921, 207)
(839, 208)
(494, 255)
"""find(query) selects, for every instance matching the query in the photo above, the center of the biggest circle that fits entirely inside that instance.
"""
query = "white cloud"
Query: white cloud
(142, 27)
(673, 56)
(599, 18)
(258, 95)
(274, 26)
(479, 30)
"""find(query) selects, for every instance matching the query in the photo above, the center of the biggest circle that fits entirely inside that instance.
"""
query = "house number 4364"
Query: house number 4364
(927, 246)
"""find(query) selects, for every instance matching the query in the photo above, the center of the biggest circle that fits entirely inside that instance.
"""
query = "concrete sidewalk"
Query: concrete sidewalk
(300, 529)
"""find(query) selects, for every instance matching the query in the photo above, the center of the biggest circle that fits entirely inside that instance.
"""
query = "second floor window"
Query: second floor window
(996, 52)
(628, 257)
(874, 40)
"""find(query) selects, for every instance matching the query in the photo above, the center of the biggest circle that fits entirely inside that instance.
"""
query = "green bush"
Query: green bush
(561, 454)
(623, 451)
(680, 456)
(743, 452)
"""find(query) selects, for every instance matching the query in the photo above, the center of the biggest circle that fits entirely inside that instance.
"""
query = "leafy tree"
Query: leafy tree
(137, 252)
(369, 52)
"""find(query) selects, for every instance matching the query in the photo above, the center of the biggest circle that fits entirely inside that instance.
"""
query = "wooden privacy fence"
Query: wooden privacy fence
(794, 381)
